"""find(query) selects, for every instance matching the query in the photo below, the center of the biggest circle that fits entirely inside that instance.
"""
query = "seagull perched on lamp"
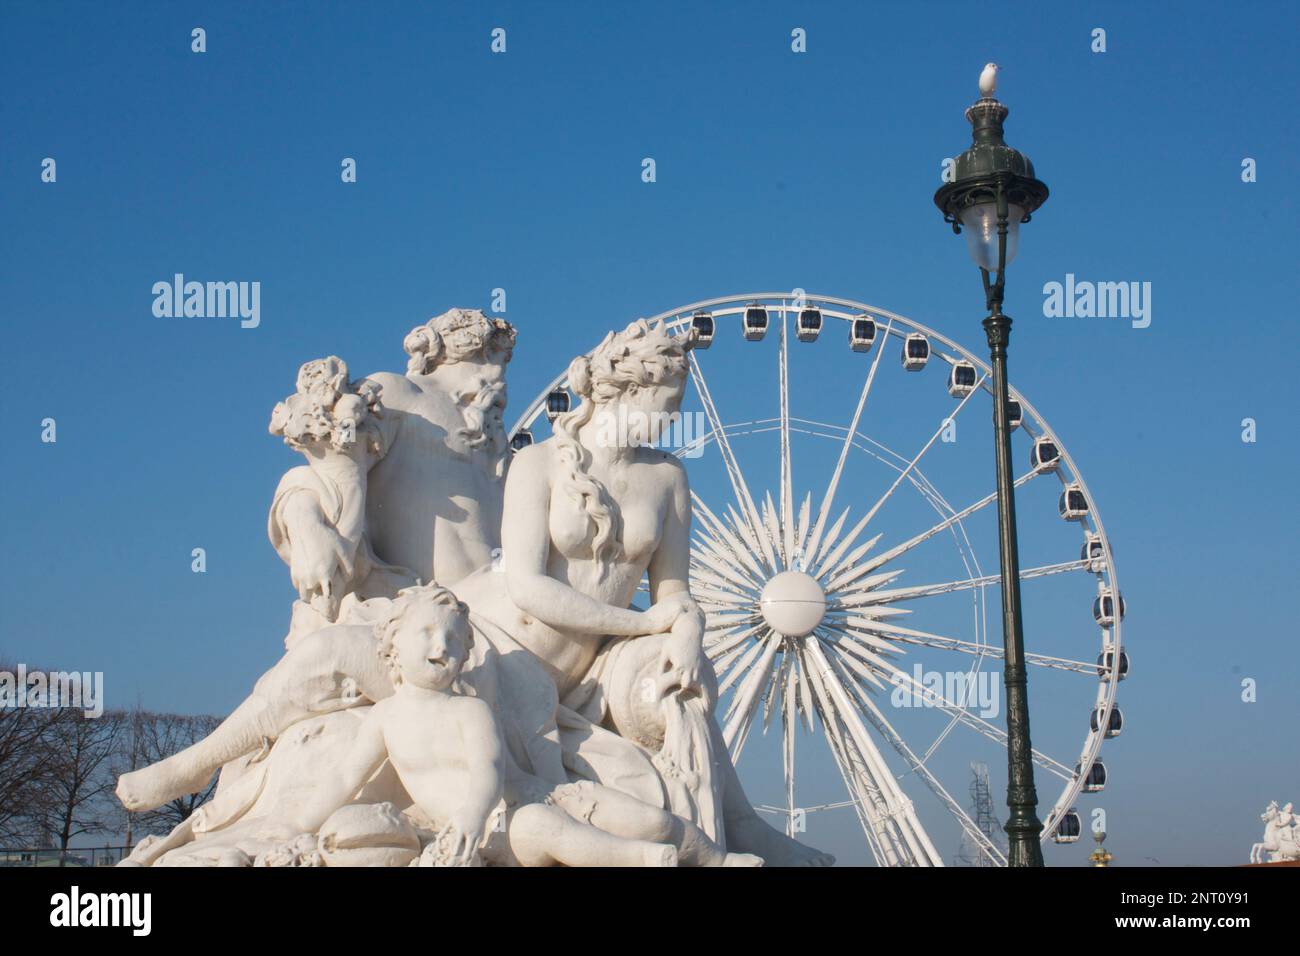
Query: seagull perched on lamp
(989, 80)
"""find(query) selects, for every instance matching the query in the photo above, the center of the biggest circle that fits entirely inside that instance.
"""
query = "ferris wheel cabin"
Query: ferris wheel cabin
(916, 351)
(1114, 725)
(1094, 553)
(809, 325)
(1104, 609)
(1015, 414)
(702, 326)
(557, 403)
(1095, 781)
(1045, 456)
(521, 439)
(1068, 827)
(1105, 661)
(862, 332)
(1074, 503)
(755, 322)
(961, 379)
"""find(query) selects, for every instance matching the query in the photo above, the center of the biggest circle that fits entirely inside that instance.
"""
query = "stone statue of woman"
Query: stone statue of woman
(588, 514)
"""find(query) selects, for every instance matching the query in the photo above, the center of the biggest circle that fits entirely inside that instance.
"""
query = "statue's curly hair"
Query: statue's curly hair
(642, 355)
(454, 336)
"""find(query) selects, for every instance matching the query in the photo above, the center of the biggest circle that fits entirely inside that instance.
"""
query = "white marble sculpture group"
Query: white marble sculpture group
(465, 681)
(1281, 842)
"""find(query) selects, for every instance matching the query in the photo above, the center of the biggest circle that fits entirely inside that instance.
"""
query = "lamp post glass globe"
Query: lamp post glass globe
(980, 224)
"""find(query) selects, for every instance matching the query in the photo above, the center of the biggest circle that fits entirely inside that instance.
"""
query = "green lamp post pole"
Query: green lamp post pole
(993, 190)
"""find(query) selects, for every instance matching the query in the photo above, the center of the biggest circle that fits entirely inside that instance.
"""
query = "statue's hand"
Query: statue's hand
(465, 833)
(681, 659)
(664, 613)
(318, 555)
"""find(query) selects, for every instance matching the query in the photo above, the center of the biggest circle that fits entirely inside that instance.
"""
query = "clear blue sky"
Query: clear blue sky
(774, 170)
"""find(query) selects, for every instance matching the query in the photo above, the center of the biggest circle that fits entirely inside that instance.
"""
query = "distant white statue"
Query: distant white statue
(1281, 836)
(437, 707)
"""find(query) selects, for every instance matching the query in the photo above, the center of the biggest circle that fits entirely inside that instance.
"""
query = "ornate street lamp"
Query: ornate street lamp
(993, 190)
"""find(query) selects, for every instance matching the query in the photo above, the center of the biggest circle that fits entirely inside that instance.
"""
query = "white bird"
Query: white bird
(989, 80)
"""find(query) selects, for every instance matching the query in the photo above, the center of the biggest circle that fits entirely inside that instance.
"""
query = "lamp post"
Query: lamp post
(993, 190)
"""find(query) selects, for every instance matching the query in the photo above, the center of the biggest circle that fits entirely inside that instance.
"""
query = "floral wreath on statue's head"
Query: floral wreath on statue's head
(454, 336)
(328, 408)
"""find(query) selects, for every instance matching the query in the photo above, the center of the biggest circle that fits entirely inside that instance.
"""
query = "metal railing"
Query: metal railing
(72, 857)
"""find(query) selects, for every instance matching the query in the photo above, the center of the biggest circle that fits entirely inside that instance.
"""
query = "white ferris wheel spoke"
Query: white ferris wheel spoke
(975, 722)
(786, 540)
(829, 496)
(899, 807)
(828, 539)
(772, 524)
(866, 797)
(920, 454)
(850, 577)
(833, 558)
(788, 722)
(801, 534)
(738, 486)
(775, 695)
(946, 587)
(869, 659)
(728, 547)
(712, 568)
(954, 518)
(717, 574)
(740, 715)
(758, 540)
(738, 665)
(720, 582)
(901, 813)
(799, 683)
(995, 652)
(896, 740)
(907, 635)
(724, 650)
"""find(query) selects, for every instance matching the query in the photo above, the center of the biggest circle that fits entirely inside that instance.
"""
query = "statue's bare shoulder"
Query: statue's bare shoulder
(532, 464)
(669, 471)
(394, 387)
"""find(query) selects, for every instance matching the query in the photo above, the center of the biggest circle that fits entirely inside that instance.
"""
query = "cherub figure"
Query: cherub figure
(446, 749)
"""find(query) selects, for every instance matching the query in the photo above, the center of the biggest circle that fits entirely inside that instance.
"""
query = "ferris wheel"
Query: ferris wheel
(815, 603)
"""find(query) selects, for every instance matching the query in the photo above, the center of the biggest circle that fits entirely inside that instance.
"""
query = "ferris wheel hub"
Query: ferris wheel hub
(793, 603)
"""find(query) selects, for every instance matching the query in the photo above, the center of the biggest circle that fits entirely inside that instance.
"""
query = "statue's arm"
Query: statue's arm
(526, 543)
(681, 657)
(670, 566)
(335, 789)
(319, 559)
